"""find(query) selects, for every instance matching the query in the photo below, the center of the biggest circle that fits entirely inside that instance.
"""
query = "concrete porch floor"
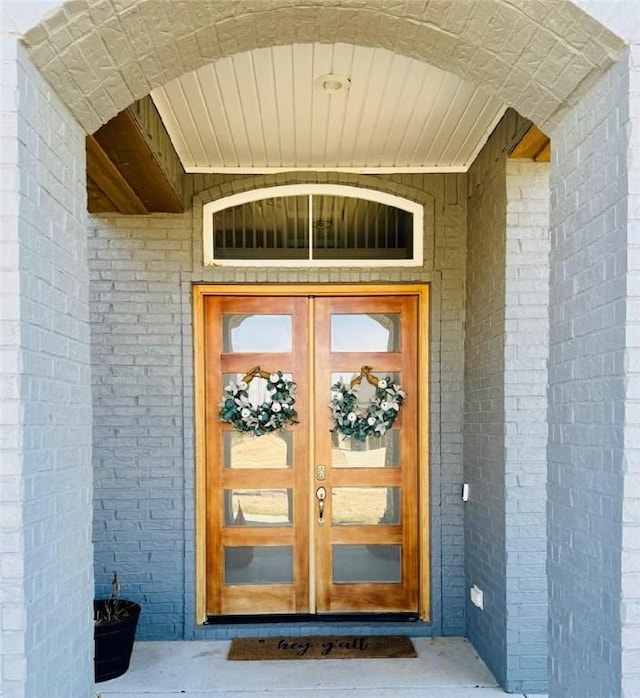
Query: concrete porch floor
(445, 667)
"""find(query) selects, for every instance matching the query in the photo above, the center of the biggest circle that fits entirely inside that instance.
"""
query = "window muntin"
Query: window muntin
(313, 225)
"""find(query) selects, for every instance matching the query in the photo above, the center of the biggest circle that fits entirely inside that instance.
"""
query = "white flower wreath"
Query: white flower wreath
(379, 417)
(273, 414)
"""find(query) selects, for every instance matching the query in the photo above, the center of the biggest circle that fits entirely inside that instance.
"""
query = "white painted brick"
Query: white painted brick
(548, 69)
(39, 547)
(587, 384)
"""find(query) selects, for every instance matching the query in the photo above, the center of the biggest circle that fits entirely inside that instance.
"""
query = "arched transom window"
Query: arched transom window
(313, 225)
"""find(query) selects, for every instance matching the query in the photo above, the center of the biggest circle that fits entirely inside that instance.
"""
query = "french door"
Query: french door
(304, 520)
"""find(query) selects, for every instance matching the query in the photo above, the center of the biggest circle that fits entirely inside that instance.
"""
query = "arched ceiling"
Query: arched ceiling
(274, 108)
(452, 68)
(534, 56)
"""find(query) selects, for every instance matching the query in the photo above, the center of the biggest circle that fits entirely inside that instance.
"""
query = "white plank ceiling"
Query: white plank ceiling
(260, 111)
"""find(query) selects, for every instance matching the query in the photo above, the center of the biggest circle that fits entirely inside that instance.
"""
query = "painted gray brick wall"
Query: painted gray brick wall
(631, 508)
(136, 316)
(587, 386)
(505, 412)
(484, 440)
(526, 351)
(13, 610)
(45, 528)
(142, 269)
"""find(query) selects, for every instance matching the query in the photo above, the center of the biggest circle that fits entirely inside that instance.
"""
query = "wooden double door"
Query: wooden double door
(304, 520)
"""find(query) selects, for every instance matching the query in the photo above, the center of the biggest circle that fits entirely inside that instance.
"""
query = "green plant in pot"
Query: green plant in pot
(115, 623)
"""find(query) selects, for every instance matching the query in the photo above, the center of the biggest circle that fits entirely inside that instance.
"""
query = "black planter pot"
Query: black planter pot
(114, 642)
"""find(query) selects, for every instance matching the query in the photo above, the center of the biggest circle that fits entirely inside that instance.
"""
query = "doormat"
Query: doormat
(326, 647)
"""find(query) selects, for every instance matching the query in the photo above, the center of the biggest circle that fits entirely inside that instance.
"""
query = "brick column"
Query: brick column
(45, 400)
(505, 412)
(630, 612)
(13, 616)
(526, 350)
(591, 381)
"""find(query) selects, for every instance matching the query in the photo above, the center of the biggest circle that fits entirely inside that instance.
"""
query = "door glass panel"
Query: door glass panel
(365, 506)
(375, 452)
(246, 451)
(258, 565)
(371, 332)
(257, 333)
(366, 390)
(258, 507)
(366, 563)
(256, 389)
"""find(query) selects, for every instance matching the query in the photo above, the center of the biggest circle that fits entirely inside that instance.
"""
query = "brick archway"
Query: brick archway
(535, 59)
(545, 58)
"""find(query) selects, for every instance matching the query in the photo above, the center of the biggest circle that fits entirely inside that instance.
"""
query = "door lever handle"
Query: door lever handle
(321, 494)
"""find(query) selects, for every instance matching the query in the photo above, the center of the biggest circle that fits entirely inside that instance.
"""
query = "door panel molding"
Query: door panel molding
(270, 599)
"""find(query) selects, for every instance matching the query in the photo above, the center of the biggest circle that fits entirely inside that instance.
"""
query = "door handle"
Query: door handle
(321, 495)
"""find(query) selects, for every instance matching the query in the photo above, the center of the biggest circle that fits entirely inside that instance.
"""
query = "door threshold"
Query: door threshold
(350, 618)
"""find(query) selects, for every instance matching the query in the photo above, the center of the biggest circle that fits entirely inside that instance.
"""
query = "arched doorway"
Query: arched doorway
(97, 87)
